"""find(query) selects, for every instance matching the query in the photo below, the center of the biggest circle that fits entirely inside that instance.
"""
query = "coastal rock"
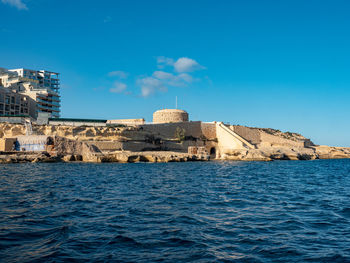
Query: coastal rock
(25, 157)
(153, 157)
(271, 153)
(327, 152)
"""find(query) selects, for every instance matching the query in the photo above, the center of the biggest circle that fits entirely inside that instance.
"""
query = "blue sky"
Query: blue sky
(279, 64)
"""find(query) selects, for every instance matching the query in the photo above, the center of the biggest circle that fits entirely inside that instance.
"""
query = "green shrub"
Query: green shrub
(180, 134)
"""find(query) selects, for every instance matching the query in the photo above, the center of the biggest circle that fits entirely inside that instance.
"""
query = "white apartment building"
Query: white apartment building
(42, 86)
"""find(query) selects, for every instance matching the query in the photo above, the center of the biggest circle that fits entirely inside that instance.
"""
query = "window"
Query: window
(13, 100)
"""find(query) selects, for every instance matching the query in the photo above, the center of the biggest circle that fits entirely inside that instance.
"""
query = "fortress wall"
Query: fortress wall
(209, 130)
(268, 140)
(107, 145)
(136, 146)
(181, 147)
(167, 130)
(251, 135)
(227, 141)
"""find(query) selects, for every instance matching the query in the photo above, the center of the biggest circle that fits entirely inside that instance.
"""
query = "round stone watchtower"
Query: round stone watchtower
(170, 115)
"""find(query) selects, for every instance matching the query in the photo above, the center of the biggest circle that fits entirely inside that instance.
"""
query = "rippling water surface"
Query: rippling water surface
(287, 211)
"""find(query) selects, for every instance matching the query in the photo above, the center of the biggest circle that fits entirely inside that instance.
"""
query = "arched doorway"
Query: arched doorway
(212, 153)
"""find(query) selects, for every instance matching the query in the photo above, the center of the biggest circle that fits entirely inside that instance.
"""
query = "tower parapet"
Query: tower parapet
(170, 115)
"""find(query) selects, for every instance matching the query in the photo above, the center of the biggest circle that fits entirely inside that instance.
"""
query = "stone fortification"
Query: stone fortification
(209, 130)
(87, 142)
(250, 134)
(170, 115)
(167, 131)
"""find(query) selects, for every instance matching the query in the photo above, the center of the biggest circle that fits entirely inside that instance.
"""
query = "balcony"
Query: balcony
(48, 102)
(40, 107)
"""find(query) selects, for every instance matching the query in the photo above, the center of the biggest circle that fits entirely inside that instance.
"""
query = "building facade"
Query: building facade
(16, 104)
(42, 86)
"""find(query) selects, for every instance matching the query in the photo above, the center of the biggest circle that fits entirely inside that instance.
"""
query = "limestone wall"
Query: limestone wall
(71, 132)
(167, 130)
(226, 140)
(6, 144)
(209, 130)
(107, 145)
(250, 134)
(269, 140)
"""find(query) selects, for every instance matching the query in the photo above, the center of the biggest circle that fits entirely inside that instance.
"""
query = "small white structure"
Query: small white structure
(32, 143)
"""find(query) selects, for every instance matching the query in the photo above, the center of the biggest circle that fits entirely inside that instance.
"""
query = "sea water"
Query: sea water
(281, 211)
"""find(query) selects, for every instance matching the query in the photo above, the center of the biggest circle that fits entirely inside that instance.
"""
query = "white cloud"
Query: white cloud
(162, 75)
(164, 61)
(186, 77)
(16, 3)
(119, 74)
(186, 65)
(169, 79)
(150, 85)
(177, 74)
(119, 87)
(183, 64)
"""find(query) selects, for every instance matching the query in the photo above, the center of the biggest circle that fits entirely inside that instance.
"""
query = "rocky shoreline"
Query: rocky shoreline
(285, 153)
(116, 157)
(320, 152)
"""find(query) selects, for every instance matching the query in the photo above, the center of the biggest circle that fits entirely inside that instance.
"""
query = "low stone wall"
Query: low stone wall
(76, 123)
(127, 121)
(7, 144)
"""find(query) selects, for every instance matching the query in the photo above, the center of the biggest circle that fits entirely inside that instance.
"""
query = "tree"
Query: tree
(180, 134)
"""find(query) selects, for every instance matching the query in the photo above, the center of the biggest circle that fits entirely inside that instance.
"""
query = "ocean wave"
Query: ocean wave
(177, 212)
